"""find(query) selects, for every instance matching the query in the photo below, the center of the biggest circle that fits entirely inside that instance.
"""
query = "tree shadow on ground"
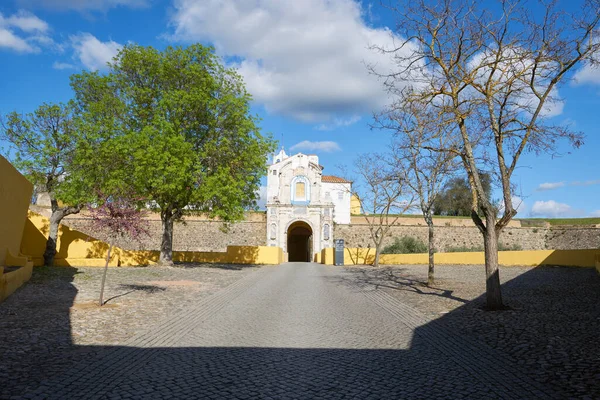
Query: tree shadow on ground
(551, 329)
(271, 373)
(552, 341)
(46, 315)
(232, 267)
(131, 288)
(397, 279)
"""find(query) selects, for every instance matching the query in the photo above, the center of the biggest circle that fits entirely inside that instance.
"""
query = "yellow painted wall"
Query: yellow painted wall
(78, 249)
(576, 258)
(327, 256)
(15, 196)
(11, 281)
(354, 205)
(579, 258)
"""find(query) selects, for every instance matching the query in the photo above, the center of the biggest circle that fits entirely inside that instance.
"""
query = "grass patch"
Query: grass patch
(415, 216)
(559, 221)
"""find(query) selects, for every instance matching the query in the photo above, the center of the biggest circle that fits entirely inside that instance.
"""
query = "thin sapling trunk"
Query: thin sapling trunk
(101, 302)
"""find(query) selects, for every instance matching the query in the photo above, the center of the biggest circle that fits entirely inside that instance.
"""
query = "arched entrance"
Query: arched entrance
(299, 242)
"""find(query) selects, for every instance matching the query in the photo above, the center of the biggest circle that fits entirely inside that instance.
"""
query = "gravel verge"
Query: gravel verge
(54, 321)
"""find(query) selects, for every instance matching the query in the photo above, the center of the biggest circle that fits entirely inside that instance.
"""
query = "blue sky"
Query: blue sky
(304, 63)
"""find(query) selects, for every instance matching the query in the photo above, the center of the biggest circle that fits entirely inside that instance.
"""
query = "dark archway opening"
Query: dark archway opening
(299, 242)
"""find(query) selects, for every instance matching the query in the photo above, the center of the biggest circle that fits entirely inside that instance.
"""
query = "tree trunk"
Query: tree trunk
(104, 276)
(166, 244)
(50, 251)
(431, 248)
(493, 292)
(57, 216)
(377, 253)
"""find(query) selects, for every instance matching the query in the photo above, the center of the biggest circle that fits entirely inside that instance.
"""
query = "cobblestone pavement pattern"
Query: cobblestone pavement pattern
(53, 322)
(295, 332)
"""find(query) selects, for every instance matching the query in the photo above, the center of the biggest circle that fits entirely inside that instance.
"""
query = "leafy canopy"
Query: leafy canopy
(177, 129)
(42, 146)
(455, 198)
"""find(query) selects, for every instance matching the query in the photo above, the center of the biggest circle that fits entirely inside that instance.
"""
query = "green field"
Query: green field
(559, 221)
(416, 216)
(524, 221)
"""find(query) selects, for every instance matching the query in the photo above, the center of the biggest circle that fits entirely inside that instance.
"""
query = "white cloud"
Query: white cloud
(553, 209)
(338, 123)
(31, 30)
(305, 58)
(550, 186)
(306, 145)
(27, 22)
(261, 203)
(517, 69)
(82, 5)
(59, 65)
(11, 41)
(595, 213)
(93, 53)
(517, 203)
(589, 73)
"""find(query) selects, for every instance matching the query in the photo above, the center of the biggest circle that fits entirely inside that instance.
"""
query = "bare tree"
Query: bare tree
(493, 75)
(417, 131)
(118, 217)
(382, 197)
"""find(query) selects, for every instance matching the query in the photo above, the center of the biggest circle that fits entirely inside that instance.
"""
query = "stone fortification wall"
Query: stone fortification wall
(558, 238)
(445, 236)
(417, 220)
(202, 234)
(567, 238)
(190, 235)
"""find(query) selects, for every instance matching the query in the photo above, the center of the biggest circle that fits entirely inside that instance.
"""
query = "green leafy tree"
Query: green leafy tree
(41, 146)
(177, 124)
(455, 198)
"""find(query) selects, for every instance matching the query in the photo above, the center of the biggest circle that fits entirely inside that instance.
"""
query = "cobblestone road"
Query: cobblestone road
(296, 332)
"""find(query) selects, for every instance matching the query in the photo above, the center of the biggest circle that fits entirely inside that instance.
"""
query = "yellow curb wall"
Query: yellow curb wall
(574, 258)
(78, 249)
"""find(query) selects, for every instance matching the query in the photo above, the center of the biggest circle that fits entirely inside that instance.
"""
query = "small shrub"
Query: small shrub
(506, 247)
(405, 245)
(463, 249)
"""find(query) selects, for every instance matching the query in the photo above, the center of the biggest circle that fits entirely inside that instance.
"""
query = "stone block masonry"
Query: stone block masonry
(198, 234)
(556, 238)
(192, 235)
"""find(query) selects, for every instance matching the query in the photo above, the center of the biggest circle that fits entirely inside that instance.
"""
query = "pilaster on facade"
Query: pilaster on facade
(301, 209)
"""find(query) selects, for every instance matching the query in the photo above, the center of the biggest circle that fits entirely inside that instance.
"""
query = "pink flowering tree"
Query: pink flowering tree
(118, 217)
